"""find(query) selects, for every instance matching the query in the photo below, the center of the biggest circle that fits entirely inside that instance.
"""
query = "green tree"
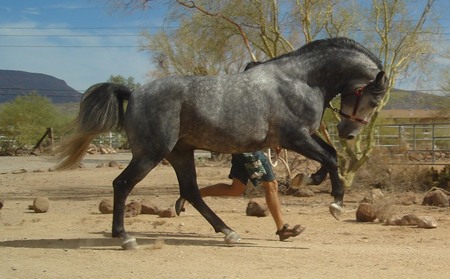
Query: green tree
(128, 82)
(25, 119)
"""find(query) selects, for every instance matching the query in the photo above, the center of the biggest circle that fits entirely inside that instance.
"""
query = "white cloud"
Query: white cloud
(32, 11)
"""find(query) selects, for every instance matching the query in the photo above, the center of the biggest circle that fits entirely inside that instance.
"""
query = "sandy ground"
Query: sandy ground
(72, 240)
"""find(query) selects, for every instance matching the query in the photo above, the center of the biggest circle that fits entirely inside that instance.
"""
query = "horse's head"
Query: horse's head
(358, 102)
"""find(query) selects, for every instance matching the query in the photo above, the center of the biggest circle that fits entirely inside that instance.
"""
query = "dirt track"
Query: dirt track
(72, 239)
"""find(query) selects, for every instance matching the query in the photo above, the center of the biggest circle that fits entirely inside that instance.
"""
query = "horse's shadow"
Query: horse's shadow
(143, 239)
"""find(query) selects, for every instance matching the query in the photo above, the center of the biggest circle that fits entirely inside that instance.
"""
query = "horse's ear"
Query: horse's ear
(381, 81)
(380, 77)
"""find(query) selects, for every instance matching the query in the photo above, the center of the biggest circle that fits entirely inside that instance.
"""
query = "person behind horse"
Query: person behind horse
(256, 168)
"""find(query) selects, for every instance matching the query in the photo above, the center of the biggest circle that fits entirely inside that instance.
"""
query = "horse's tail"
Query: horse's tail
(101, 110)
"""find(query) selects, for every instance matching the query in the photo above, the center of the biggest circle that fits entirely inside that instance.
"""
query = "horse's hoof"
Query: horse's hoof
(301, 179)
(129, 243)
(336, 210)
(232, 238)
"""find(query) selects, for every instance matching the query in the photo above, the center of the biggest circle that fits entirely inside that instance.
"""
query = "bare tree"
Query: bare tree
(401, 43)
(262, 30)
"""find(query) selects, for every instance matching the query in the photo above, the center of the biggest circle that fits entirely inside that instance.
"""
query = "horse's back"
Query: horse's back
(206, 112)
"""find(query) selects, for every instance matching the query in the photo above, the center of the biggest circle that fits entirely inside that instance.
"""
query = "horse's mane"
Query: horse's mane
(329, 44)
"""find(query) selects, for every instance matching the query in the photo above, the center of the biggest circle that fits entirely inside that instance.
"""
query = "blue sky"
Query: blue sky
(83, 42)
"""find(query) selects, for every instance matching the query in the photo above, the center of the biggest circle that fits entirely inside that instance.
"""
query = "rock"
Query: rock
(304, 192)
(41, 170)
(101, 165)
(114, 164)
(407, 220)
(147, 207)
(408, 198)
(426, 222)
(1, 203)
(106, 206)
(256, 208)
(168, 213)
(394, 221)
(365, 213)
(132, 209)
(41, 204)
(19, 171)
(436, 198)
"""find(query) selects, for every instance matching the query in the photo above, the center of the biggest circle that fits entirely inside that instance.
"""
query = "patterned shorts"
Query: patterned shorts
(254, 166)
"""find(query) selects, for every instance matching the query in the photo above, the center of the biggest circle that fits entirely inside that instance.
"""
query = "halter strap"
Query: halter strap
(358, 93)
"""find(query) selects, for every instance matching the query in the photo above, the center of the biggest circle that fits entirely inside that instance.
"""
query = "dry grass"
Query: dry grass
(388, 176)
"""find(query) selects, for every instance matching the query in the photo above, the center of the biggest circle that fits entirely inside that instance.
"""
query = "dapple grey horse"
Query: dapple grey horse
(278, 103)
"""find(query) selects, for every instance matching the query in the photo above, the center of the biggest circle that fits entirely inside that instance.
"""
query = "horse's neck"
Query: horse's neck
(316, 74)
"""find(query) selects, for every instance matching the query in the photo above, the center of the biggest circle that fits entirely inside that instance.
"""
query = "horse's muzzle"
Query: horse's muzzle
(348, 130)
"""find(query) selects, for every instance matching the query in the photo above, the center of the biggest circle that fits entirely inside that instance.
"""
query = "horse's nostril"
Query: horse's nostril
(350, 137)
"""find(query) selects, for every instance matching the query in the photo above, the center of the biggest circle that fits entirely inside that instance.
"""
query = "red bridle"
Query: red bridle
(358, 93)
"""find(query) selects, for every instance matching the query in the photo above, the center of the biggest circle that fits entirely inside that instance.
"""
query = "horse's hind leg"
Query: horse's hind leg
(183, 163)
(136, 170)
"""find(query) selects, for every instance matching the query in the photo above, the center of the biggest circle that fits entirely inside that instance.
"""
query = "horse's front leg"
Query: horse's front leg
(313, 147)
(183, 163)
(319, 176)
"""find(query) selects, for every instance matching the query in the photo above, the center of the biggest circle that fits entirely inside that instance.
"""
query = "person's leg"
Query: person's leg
(273, 202)
(222, 189)
(270, 185)
(236, 189)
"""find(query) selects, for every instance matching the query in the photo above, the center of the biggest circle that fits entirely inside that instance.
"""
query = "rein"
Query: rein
(358, 93)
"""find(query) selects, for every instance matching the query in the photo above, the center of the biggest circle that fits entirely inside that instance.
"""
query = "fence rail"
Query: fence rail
(416, 143)
(420, 144)
(424, 144)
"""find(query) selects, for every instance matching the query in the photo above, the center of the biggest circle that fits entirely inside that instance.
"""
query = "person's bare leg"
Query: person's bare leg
(273, 202)
(236, 188)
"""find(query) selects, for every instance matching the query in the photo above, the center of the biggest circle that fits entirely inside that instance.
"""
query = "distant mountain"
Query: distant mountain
(405, 100)
(15, 83)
